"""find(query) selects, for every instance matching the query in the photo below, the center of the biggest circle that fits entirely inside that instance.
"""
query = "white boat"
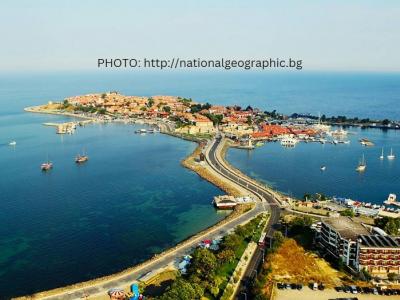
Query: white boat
(323, 168)
(12, 143)
(289, 142)
(391, 155)
(320, 126)
(381, 157)
(340, 132)
(362, 165)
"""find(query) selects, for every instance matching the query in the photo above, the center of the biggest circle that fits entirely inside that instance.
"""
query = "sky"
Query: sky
(346, 35)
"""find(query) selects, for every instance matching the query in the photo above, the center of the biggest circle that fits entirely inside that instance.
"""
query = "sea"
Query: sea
(133, 199)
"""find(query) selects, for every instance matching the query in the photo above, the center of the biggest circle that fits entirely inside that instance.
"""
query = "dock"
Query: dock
(67, 127)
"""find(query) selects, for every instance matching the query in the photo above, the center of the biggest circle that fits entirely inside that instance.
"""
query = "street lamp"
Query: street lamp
(245, 295)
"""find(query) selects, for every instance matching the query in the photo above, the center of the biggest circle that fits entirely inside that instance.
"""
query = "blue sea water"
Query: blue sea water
(296, 171)
(133, 198)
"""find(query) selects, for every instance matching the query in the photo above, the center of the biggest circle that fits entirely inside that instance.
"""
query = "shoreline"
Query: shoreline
(188, 163)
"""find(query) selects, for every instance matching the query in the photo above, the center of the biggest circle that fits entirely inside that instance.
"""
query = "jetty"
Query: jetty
(67, 127)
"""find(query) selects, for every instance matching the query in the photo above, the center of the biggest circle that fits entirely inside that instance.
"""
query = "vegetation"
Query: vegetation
(195, 108)
(299, 229)
(347, 213)
(209, 270)
(315, 197)
(389, 225)
(216, 119)
(150, 102)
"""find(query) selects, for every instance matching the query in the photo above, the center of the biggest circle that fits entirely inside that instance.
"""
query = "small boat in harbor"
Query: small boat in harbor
(79, 159)
(391, 156)
(381, 157)
(323, 168)
(362, 165)
(259, 144)
(141, 131)
(391, 200)
(366, 142)
(12, 143)
(46, 166)
(289, 142)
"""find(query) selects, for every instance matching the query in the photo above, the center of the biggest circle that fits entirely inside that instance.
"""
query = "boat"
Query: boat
(259, 144)
(141, 131)
(12, 143)
(362, 165)
(366, 142)
(391, 155)
(381, 157)
(289, 142)
(79, 159)
(391, 200)
(46, 166)
(341, 132)
(320, 126)
(323, 168)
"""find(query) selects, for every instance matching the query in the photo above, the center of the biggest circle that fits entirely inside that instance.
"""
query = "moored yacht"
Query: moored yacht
(12, 143)
(381, 157)
(362, 165)
(391, 155)
(46, 166)
(79, 159)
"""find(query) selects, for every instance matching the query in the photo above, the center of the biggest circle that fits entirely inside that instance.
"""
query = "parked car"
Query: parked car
(299, 286)
(315, 286)
(353, 289)
(339, 289)
(321, 287)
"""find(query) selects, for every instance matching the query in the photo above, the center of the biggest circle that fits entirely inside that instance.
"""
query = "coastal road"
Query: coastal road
(267, 198)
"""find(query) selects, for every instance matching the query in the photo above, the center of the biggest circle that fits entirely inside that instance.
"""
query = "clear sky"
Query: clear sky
(327, 35)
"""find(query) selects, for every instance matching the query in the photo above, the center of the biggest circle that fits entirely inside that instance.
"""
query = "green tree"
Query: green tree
(278, 239)
(150, 102)
(167, 109)
(231, 241)
(183, 290)
(393, 276)
(227, 255)
(203, 264)
(392, 227)
(249, 120)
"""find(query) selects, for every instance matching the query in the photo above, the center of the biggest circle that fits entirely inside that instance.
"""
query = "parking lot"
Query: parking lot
(326, 294)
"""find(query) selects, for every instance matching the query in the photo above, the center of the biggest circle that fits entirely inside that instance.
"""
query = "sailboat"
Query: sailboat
(362, 165)
(391, 155)
(79, 159)
(323, 168)
(46, 166)
(12, 143)
(381, 157)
